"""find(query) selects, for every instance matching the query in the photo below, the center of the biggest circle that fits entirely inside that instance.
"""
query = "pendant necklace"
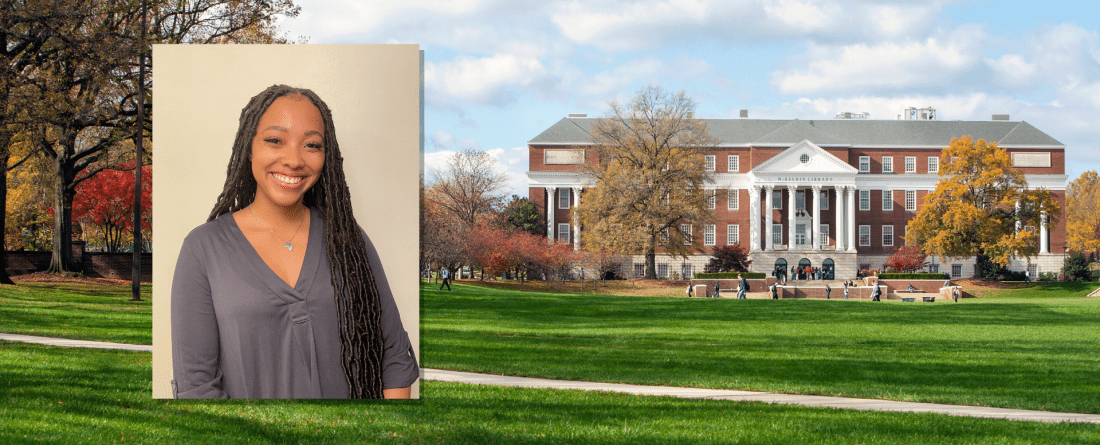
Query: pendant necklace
(288, 245)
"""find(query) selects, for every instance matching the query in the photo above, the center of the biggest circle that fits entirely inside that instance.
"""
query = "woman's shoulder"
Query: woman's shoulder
(217, 230)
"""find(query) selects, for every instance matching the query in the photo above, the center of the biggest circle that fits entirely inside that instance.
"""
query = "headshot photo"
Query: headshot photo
(287, 221)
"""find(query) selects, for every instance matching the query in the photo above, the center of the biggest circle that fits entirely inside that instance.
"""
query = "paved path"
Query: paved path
(687, 393)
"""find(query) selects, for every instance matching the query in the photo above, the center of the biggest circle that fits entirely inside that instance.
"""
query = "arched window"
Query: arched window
(828, 269)
(802, 265)
(780, 267)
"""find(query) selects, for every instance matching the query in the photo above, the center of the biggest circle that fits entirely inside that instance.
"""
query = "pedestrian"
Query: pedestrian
(689, 291)
(742, 287)
(957, 292)
(828, 291)
(845, 292)
(716, 290)
(875, 292)
(445, 276)
(775, 293)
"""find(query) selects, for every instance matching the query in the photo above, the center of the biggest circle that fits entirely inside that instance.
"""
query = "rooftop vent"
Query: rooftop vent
(744, 113)
(852, 115)
(578, 114)
(1000, 117)
(919, 114)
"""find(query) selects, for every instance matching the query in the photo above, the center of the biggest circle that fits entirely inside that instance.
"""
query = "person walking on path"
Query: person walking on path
(956, 293)
(742, 287)
(775, 293)
(828, 291)
(875, 292)
(445, 276)
(689, 290)
(845, 290)
(716, 295)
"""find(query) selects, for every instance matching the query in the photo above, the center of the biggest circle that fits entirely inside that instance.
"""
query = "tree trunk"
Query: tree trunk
(651, 260)
(61, 260)
(4, 278)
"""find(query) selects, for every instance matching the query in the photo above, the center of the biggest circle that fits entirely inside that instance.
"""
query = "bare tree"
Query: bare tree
(649, 178)
(470, 186)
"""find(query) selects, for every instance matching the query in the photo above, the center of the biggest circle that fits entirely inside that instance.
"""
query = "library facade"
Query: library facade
(831, 194)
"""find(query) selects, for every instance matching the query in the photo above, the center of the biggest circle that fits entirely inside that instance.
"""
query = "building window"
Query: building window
(934, 268)
(685, 229)
(563, 198)
(733, 199)
(685, 272)
(805, 158)
(800, 234)
(639, 270)
(956, 270)
(864, 164)
(777, 234)
(887, 200)
(911, 200)
(824, 234)
(800, 200)
(708, 235)
(888, 236)
(734, 164)
(777, 199)
(933, 164)
(865, 200)
(887, 164)
(709, 165)
(823, 204)
(662, 270)
(864, 235)
(733, 234)
(563, 233)
(619, 270)
(711, 198)
(1033, 271)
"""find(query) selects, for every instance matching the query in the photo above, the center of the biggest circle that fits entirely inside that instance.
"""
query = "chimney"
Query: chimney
(578, 115)
(744, 113)
(1000, 117)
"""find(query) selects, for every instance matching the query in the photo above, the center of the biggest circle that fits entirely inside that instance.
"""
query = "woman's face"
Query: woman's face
(288, 151)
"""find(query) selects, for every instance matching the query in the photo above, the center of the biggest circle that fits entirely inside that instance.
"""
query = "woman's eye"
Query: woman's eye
(315, 146)
(274, 141)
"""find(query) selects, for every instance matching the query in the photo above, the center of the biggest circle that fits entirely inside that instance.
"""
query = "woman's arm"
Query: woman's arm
(397, 393)
(195, 339)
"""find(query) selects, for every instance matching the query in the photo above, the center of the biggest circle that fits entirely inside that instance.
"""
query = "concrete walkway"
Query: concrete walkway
(440, 375)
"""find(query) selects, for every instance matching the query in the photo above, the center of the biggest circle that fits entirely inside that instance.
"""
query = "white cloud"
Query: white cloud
(485, 80)
(802, 14)
(881, 66)
(442, 140)
(1012, 70)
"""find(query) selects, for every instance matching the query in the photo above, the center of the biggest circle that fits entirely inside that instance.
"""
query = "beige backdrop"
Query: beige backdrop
(374, 92)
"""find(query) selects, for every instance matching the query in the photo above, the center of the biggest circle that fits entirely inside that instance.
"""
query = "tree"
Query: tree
(974, 210)
(649, 177)
(1083, 213)
(729, 259)
(908, 258)
(469, 186)
(521, 213)
(106, 203)
(1077, 268)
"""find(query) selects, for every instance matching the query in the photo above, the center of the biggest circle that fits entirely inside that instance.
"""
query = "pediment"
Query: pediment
(802, 158)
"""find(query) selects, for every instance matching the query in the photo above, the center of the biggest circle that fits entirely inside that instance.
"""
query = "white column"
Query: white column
(839, 230)
(551, 205)
(576, 221)
(851, 219)
(754, 218)
(1044, 242)
(816, 229)
(768, 218)
(790, 216)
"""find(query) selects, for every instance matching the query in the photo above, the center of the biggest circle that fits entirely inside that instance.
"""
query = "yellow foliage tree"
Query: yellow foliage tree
(649, 177)
(978, 204)
(1083, 213)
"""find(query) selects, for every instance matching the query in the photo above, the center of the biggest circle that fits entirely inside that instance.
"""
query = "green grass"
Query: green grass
(1041, 290)
(99, 312)
(1027, 353)
(71, 396)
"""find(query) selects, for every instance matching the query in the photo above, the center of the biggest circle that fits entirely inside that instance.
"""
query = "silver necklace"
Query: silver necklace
(288, 245)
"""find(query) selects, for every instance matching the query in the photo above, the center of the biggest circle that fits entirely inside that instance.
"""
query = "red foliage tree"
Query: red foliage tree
(105, 203)
(908, 258)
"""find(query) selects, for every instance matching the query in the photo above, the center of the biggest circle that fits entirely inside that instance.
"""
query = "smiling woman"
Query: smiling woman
(274, 297)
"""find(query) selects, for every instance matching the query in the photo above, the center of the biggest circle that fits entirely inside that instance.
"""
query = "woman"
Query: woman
(277, 296)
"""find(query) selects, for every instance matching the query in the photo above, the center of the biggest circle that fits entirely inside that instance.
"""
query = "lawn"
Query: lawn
(1022, 351)
(73, 396)
(80, 310)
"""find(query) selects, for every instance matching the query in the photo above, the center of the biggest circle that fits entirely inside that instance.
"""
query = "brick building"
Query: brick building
(835, 194)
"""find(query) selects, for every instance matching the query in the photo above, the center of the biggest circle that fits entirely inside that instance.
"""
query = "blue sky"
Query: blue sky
(498, 73)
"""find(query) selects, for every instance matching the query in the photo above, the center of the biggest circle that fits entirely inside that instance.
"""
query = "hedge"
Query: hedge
(914, 276)
(726, 275)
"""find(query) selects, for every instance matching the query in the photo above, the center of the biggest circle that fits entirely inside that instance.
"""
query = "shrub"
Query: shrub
(728, 275)
(914, 276)
(1077, 267)
(729, 258)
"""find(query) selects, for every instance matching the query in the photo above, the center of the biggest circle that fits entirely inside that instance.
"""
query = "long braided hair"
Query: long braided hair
(357, 299)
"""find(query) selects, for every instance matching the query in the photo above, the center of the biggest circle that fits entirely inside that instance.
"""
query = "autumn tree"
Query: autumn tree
(908, 258)
(105, 206)
(469, 186)
(729, 259)
(649, 178)
(1083, 213)
(978, 204)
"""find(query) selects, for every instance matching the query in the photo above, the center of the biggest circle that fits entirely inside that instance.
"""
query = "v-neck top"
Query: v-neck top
(240, 331)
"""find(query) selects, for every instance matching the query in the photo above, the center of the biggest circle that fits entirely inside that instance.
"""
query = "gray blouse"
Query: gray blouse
(239, 331)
